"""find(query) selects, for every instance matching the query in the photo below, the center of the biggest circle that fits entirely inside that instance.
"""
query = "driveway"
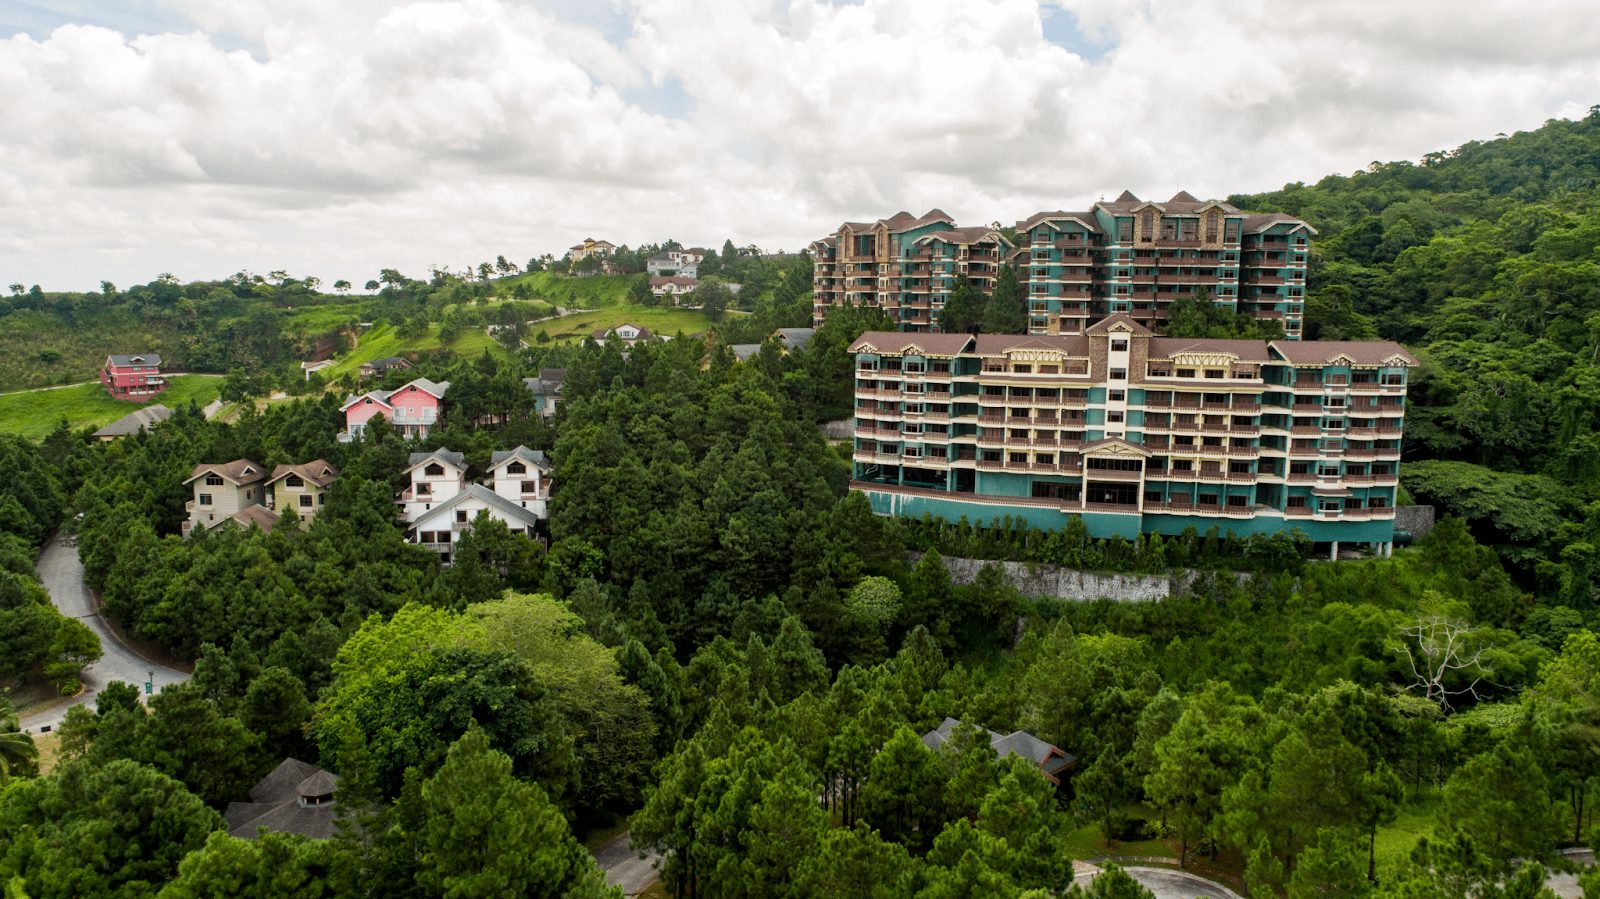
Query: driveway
(62, 574)
(623, 866)
(1165, 883)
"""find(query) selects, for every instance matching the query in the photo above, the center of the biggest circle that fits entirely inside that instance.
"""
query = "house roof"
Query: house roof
(436, 389)
(134, 359)
(493, 500)
(1261, 221)
(553, 375)
(389, 362)
(1244, 350)
(136, 421)
(1050, 758)
(275, 803)
(668, 280)
(970, 235)
(533, 457)
(239, 471)
(903, 221)
(795, 338)
(1116, 443)
(317, 471)
(896, 343)
(459, 460)
(1182, 203)
(1359, 352)
(743, 351)
(260, 516)
(380, 396)
(1086, 219)
(603, 333)
(544, 385)
(1103, 326)
(999, 344)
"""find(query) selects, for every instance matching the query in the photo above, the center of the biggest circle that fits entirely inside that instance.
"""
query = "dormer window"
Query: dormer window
(294, 481)
(434, 470)
(516, 468)
(213, 480)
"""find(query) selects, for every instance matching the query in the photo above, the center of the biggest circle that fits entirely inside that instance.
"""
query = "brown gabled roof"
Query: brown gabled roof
(902, 221)
(1244, 350)
(1103, 326)
(1083, 218)
(603, 333)
(965, 235)
(239, 471)
(1093, 445)
(260, 516)
(1261, 221)
(999, 344)
(1182, 203)
(898, 343)
(1359, 352)
(664, 280)
(316, 471)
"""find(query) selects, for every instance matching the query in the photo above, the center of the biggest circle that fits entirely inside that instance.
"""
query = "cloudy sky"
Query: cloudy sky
(202, 137)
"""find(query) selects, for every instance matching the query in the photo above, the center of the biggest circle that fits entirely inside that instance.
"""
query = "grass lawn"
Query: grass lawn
(592, 292)
(49, 746)
(1396, 840)
(382, 341)
(660, 319)
(34, 414)
(315, 320)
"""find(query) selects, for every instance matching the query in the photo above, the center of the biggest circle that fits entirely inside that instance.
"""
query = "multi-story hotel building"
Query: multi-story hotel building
(1134, 432)
(1124, 255)
(905, 264)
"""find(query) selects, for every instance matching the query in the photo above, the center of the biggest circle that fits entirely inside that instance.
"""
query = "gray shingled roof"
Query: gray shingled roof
(459, 460)
(533, 457)
(136, 421)
(795, 338)
(1017, 742)
(144, 359)
(743, 351)
(276, 803)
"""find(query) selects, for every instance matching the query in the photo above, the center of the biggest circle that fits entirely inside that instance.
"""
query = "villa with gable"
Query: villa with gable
(412, 409)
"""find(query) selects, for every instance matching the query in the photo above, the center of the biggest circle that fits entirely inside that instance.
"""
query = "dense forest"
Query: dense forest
(721, 648)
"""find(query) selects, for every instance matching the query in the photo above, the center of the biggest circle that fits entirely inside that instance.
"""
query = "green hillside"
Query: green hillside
(592, 292)
(34, 414)
(384, 340)
(666, 321)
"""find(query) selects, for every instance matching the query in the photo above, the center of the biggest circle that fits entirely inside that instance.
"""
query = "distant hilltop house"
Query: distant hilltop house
(682, 263)
(244, 493)
(138, 420)
(672, 285)
(295, 798)
(441, 504)
(627, 334)
(412, 409)
(546, 390)
(136, 377)
(591, 247)
(384, 366)
(1051, 760)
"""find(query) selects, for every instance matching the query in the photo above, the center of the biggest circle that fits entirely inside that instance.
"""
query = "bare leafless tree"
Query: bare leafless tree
(1440, 653)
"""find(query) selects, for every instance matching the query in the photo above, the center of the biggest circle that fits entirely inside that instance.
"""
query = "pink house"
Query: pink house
(412, 409)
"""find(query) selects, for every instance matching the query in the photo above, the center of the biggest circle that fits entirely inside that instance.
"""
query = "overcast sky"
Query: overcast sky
(338, 137)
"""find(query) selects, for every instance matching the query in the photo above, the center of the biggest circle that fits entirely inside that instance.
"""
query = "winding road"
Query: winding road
(623, 866)
(62, 574)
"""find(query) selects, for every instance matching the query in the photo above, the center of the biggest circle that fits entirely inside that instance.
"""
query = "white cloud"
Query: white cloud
(361, 134)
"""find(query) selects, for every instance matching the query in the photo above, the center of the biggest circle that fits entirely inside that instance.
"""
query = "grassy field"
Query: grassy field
(319, 320)
(382, 341)
(40, 348)
(658, 319)
(34, 414)
(592, 292)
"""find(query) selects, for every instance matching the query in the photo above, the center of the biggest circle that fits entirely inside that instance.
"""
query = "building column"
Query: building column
(1333, 554)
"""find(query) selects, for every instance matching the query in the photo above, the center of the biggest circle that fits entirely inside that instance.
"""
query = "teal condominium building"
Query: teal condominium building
(1134, 432)
(1124, 255)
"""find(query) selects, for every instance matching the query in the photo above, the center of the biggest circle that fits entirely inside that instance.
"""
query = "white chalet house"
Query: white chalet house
(441, 504)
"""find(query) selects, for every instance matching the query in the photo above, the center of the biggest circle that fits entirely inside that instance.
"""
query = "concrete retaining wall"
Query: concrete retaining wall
(1416, 519)
(1035, 579)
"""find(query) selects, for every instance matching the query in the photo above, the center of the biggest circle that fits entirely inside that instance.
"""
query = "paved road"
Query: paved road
(62, 574)
(1164, 882)
(624, 868)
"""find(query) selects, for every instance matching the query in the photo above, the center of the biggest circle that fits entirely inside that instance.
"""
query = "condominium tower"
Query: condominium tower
(1134, 432)
(1124, 255)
